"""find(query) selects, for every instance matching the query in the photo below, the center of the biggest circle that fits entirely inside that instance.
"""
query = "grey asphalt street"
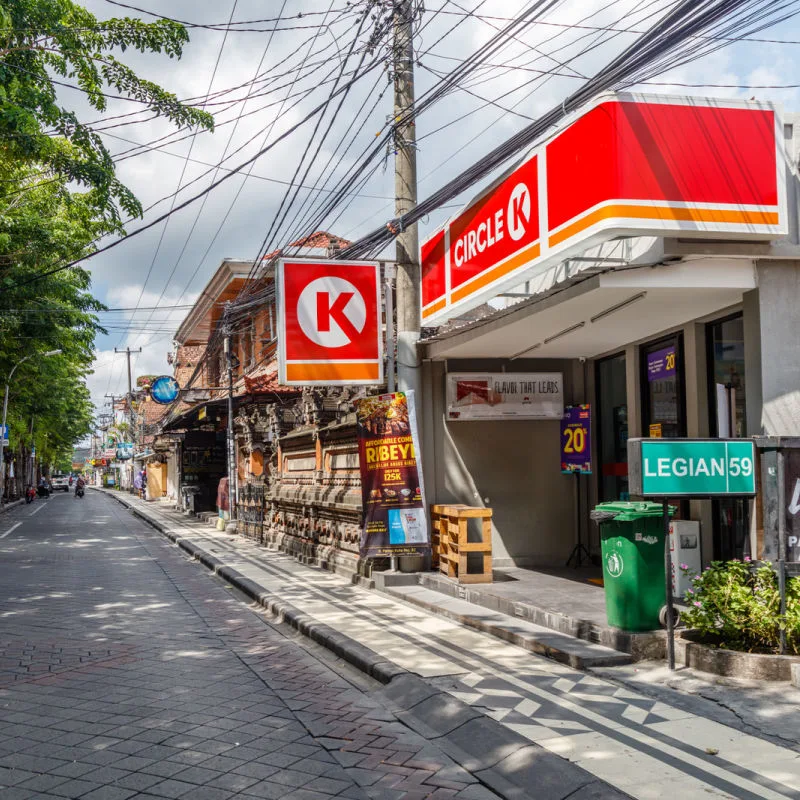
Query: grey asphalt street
(127, 672)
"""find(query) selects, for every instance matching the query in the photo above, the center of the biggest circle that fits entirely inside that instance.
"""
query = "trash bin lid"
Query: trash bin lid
(627, 511)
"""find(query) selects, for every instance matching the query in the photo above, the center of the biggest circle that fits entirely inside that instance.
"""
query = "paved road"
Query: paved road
(651, 747)
(127, 672)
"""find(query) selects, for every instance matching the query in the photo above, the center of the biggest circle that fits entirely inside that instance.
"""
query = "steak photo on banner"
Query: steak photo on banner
(395, 522)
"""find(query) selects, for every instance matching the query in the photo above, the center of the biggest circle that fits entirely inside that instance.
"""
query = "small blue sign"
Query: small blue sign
(4, 435)
(397, 534)
(124, 451)
(165, 390)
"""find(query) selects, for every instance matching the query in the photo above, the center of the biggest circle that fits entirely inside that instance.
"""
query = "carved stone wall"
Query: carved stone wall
(309, 501)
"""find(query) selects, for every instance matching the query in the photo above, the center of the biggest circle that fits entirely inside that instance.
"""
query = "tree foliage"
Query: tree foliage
(59, 194)
(42, 41)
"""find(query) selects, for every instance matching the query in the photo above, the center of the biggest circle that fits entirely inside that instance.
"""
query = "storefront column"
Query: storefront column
(772, 353)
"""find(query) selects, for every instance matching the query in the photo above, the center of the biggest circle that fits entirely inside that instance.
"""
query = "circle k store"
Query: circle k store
(644, 259)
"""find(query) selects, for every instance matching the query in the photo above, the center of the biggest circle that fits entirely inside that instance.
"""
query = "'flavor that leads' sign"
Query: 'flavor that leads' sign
(692, 467)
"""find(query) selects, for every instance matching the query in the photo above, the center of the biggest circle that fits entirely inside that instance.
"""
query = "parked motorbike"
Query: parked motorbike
(30, 494)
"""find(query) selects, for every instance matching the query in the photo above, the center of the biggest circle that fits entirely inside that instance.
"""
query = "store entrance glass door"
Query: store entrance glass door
(727, 412)
(612, 416)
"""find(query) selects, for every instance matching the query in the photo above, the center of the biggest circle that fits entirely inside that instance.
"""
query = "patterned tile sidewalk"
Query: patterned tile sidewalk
(643, 745)
(125, 672)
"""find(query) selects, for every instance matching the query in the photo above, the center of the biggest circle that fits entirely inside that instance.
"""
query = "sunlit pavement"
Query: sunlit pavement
(128, 672)
(643, 744)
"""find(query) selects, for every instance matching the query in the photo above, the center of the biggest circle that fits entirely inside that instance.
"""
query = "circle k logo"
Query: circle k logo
(331, 312)
(519, 211)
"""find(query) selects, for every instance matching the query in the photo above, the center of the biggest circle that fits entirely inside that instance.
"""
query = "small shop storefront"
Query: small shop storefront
(681, 354)
(658, 280)
(198, 455)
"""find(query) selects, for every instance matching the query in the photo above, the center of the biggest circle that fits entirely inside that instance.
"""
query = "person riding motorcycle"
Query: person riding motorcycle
(79, 484)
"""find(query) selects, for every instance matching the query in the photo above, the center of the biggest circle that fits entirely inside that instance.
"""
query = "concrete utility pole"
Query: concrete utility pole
(405, 187)
(128, 352)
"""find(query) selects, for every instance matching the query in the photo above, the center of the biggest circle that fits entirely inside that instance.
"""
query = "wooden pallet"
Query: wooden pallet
(450, 546)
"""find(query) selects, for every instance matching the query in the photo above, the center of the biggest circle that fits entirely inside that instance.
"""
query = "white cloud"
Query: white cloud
(120, 273)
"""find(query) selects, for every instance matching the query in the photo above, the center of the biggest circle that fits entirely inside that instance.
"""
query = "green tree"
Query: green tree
(58, 195)
(43, 41)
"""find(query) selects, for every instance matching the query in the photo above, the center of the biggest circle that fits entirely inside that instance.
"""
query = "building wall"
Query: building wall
(509, 466)
(772, 348)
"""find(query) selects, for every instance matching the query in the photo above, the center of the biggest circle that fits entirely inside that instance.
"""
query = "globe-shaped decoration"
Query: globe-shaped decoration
(164, 390)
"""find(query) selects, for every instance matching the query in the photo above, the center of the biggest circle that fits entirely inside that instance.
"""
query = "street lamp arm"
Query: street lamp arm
(14, 368)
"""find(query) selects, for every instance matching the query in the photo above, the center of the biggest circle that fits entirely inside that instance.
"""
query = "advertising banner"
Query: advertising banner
(792, 504)
(576, 440)
(395, 521)
(661, 364)
(505, 395)
(124, 450)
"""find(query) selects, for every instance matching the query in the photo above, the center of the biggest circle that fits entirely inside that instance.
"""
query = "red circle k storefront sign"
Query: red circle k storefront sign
(329, 323)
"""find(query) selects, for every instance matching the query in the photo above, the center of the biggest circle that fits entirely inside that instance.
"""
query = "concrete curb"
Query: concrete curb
(504, 761)
(12, 504)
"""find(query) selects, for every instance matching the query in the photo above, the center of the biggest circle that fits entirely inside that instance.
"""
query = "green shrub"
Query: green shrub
(737, 604)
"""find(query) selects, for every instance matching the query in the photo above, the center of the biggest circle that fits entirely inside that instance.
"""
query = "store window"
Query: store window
(664, 406)
(612, 421)
(728, 419)
(663, 396)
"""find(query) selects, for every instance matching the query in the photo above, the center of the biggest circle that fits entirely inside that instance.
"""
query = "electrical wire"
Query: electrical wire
(663, 45)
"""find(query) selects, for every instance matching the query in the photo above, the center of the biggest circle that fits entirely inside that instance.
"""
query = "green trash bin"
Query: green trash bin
(632, 546)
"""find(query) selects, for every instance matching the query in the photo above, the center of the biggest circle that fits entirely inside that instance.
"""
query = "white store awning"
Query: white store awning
(590, 315)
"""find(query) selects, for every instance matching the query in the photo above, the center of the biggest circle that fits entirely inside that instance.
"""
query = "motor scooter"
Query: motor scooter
(79, 492)
(30, 494)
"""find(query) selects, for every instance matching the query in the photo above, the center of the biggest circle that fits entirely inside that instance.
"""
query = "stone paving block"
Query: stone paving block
(74, 788)
(109, 793)
(265, 790)
(171, 788)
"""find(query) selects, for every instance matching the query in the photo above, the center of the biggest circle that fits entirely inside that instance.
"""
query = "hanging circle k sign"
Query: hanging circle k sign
(331, 312)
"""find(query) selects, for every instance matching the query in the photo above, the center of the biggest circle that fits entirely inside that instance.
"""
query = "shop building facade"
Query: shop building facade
(689, 333)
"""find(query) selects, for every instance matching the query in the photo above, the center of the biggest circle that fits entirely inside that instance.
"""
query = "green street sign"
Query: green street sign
(692, 467)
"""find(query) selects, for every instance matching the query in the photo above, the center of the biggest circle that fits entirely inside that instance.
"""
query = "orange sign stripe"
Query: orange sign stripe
(493, 274)
(666, 213)
(434, 307)
(333, 371)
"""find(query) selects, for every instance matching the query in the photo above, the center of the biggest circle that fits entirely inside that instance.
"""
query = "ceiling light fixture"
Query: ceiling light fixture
(523, 352)
(558, 335)
(619, 306)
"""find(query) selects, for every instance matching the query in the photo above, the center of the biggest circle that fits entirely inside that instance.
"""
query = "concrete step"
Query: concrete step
(560, 647)
(570, 622)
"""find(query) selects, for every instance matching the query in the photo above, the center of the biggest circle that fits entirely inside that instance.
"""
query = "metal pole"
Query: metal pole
(668, 573)
(32, 459)
(388, 296)
(781, 479)
(231, 441)
(405, 187)
(5, 421)
(2, 447)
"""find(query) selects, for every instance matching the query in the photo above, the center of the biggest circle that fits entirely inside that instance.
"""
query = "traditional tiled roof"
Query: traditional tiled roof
(264, 380)
(321, 240)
